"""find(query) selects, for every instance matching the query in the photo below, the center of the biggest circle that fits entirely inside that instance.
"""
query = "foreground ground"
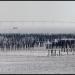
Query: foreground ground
(37, 64)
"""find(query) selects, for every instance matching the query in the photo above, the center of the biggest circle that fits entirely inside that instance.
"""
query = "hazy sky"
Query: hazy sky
(59, 16)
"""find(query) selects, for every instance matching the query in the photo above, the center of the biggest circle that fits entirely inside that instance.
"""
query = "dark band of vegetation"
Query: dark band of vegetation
(18, 41)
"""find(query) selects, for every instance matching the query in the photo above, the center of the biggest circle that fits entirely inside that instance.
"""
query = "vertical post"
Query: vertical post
(59, 52)
(48, 52)
(51, 52)
(71, 46)
(72, 50)
(67, 48)
(67, 51)
(55, 52)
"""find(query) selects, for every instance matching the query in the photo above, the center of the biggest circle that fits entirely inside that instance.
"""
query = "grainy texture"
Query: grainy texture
(37, 64)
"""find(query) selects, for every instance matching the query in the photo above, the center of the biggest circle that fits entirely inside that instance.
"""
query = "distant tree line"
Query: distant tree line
(23, 41)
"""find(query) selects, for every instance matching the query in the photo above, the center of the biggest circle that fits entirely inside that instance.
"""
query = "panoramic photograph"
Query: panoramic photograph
(37, 37)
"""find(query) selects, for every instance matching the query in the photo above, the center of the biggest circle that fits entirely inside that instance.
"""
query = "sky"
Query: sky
(37, 16)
